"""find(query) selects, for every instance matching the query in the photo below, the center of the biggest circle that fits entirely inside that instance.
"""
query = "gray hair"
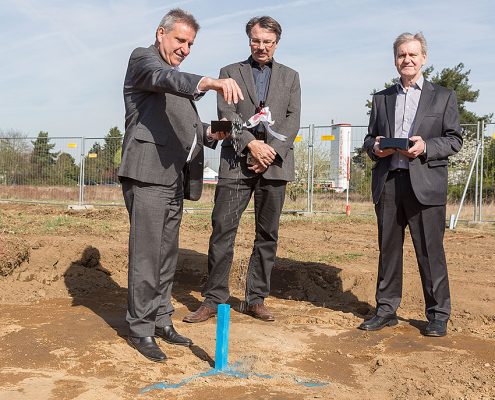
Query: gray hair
(407, 37)
(264, 22)
(178, 15)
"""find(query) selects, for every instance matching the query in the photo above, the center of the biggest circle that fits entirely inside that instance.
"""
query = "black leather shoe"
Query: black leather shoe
(376, 323)
(147, 347)
(170, 335)
(436, 328)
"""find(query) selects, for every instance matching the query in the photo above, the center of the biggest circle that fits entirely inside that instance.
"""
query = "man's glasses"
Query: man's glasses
(267, 44)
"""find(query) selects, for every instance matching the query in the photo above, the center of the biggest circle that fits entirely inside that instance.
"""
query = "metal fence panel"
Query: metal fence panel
(70, 170)
(39, 169)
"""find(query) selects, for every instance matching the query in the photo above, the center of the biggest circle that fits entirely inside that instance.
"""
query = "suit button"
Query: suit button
(195, 124)
(188, 148)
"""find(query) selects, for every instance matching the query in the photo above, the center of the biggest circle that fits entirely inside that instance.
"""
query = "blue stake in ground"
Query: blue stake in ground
(222, 349)
(221, 360)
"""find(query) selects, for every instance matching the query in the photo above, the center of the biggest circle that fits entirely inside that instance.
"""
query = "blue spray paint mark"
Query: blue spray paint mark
(229, 371)
(310, 383)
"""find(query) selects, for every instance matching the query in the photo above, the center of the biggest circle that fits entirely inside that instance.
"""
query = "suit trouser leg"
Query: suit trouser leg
(427, 227)
(269, 196)
(391, 221)
(155, 213)
(231, 199)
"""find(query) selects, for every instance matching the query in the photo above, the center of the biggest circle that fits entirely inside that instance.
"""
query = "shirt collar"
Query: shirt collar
(418, 85)
(254, 64)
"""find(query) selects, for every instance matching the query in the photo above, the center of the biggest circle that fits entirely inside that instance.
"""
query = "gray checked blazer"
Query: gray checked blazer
(161, 120)
(284, 101)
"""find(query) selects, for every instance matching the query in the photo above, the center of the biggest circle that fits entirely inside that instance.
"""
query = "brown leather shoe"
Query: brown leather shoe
(260, 311)
(200, 315)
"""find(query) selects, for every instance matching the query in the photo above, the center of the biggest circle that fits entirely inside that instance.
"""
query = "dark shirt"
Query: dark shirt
(261, 75)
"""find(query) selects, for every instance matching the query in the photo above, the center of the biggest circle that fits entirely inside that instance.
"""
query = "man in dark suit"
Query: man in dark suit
(162, 159)
(259, 163)
(410, 185)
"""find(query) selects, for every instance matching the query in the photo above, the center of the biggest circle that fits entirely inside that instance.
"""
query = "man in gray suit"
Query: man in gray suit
(410, 185)
(259, 164)
(162, 160)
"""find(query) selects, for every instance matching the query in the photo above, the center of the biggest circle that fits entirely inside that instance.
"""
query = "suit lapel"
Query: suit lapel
(390, 100)
(247, 75)
(427, 94)
(272, 88)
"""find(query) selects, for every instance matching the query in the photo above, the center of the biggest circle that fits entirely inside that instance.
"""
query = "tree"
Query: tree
(113, 142)
(112, 146)
(42, 159)
(14, 157)
(321, 171)
(102, 165)
(66, 170)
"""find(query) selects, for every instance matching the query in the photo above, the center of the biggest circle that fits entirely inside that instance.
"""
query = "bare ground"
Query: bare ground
(63, 300)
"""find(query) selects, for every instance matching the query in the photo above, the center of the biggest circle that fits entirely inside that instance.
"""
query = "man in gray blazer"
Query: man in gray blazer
(162, 160)
(410, 185)
(259, 163)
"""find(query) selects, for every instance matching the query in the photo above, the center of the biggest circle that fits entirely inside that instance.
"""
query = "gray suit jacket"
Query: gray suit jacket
(284, 100)
(160, 123)
(437, 122)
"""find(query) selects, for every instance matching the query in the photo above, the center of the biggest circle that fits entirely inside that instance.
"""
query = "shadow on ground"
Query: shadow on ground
(320, 284)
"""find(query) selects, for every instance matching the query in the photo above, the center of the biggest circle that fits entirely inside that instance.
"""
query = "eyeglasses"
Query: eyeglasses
(266, 43)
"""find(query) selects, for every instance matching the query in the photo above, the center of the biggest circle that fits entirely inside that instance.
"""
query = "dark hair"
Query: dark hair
(264, 22)
(178, 15)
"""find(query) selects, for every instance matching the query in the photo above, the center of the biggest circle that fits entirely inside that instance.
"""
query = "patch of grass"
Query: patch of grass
(59, 223)
(333, 258)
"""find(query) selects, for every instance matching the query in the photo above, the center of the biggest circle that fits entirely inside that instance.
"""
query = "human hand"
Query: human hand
(218, 135)
(228, 87)
(381, 153)
(417, 149)
(262, 153)
(257, 168)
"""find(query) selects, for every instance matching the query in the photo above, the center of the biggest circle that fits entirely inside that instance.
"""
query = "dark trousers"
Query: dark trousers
(155, 214)
(231, 199)
(396, 209)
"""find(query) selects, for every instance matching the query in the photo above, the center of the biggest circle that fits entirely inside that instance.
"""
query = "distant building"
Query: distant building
(210, 176)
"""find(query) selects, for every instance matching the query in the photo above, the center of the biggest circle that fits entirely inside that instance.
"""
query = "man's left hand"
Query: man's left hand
(417, 149)
(217, 135)
(257, 168)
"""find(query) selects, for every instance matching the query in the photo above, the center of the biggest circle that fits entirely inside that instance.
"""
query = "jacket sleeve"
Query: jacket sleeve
(149, 73)
(450, 141)
(289, 127)
(229, 111)
(212, 144)
(369, 139)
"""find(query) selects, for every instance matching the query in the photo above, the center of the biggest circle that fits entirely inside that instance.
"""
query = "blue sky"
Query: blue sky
(63, 62)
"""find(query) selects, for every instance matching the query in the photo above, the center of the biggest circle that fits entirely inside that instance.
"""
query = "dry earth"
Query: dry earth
(63, 301)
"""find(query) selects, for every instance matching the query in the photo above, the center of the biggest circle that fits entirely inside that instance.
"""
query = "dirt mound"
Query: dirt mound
(63, 305)
(13, 252)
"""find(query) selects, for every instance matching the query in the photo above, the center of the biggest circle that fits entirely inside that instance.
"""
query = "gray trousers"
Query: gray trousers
(396, 209)
(155, 214)
(231, 199)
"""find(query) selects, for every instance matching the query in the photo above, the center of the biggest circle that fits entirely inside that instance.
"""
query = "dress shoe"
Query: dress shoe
(200, 315)
(436, 328)
(376, 323)
(147, 347)
(171, 336)
(260, 311)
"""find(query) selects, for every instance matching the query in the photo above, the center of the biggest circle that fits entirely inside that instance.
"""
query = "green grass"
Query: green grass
(334, 258)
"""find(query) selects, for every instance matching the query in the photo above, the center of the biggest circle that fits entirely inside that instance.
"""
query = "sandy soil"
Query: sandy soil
(63, 300)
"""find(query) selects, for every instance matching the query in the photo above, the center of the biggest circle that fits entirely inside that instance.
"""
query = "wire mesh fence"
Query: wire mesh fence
(83, 170)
